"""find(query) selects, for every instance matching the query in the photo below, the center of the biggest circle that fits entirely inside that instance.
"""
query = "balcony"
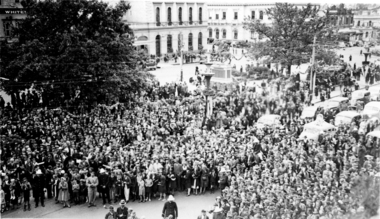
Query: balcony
(158, 24)
(190, 22)
(180, 22)
(170, 23)
(200, 22)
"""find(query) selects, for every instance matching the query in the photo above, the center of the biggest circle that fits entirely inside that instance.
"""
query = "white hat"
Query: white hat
(171, 198)
(39, 172)
(102, 170)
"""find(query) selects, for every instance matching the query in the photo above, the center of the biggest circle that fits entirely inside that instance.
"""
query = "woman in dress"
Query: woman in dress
(64, 195)
(162, 186)
(141, 185)
(148, 187)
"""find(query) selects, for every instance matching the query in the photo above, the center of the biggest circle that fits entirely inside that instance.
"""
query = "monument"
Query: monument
(222, 73)
(208, 92)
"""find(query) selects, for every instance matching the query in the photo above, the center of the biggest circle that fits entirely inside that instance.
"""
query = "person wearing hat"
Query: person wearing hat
(38, 188)
(122, 211)
(170, 208)
(104, 182)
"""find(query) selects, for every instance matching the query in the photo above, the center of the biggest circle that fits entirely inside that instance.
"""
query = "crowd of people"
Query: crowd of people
(161, 144)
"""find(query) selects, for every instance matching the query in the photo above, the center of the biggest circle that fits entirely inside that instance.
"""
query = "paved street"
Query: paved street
(189, 208)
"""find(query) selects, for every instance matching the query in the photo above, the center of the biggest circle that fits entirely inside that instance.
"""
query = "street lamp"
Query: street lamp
(208, 92)
(181, 50)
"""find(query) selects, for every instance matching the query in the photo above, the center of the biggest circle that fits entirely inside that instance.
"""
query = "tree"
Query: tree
(290, 35)
(74, 50)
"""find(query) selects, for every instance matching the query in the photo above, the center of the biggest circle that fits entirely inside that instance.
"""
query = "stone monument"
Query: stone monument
(222, 73)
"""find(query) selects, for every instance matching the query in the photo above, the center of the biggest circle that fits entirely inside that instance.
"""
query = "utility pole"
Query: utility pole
(181, 50)
(312, 72)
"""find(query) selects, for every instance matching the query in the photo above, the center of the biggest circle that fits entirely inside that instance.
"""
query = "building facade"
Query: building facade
(11, 13)
(162, 27)
(226, 20)
(366, 25)
(340, 16)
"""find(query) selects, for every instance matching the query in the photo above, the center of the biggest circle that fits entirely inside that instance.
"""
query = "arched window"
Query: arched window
(372, 34)
(200, 41)
(180, 15)
(158, 45)
(370, 23)
(235, 34)
(190, 42)
(210, 33)
(261, 15)
(224, 34)
(158, 16)
(217, 34)
(190, 15)
(366, 34)
(169, 44)
(169, 16)
(200, 15)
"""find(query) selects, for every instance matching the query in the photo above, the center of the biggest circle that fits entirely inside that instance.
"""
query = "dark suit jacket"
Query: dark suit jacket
(123, 212)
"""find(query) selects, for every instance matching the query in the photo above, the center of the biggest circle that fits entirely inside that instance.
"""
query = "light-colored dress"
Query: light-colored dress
(141, 187)
(64, 194)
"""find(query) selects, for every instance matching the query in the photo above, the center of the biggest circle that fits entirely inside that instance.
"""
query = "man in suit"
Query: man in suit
(203, 215)
(170, 208)
(122, 211)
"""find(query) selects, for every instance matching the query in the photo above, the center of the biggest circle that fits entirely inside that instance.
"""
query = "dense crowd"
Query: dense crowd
(161, 144)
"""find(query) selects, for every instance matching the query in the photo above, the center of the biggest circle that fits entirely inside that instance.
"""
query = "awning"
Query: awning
(346, 31)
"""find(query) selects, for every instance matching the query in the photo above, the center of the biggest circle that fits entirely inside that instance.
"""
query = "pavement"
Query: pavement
(189, 207)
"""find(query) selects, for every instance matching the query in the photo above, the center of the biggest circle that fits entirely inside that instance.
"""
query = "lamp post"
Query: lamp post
(181, 50)
(208, 92)
(312, 72)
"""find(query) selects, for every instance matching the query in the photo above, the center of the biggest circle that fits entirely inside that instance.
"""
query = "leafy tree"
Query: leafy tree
(73, 50)
(290, 34)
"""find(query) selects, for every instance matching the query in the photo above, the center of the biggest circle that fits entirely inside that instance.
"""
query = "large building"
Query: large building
(159, 26)
(11, 12)
(226, 19)
(366, 24)
(340, 17)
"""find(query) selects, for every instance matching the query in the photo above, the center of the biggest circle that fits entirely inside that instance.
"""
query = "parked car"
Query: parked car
(311, 112)
(347, 117)
(151, 65)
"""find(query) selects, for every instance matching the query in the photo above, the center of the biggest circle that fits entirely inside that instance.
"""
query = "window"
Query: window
(352, 20)
(366, 34)
(235, 15)
(217, 34)
(358, 23)
(224, 15)
(179, 42)
(210, 33)
(169, 44)
(158, 45)
(190, 42)
(253, 15)
(261, 15)
(158, 16)
(235, 34)
(8, 28)
(190, 15)
(370, 23)
(169, 16)
(217, 17)
(252, 35)
(200, 15)
(224, 33)
(200, 41)
(180, 15)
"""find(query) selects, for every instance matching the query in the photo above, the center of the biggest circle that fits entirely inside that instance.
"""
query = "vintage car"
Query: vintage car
(335, 102)
(311, 112)
(313, 129)
(347, 117)
(151, 65)
(375, 93)
(269, 120)
(360, 95)
(372, 109)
